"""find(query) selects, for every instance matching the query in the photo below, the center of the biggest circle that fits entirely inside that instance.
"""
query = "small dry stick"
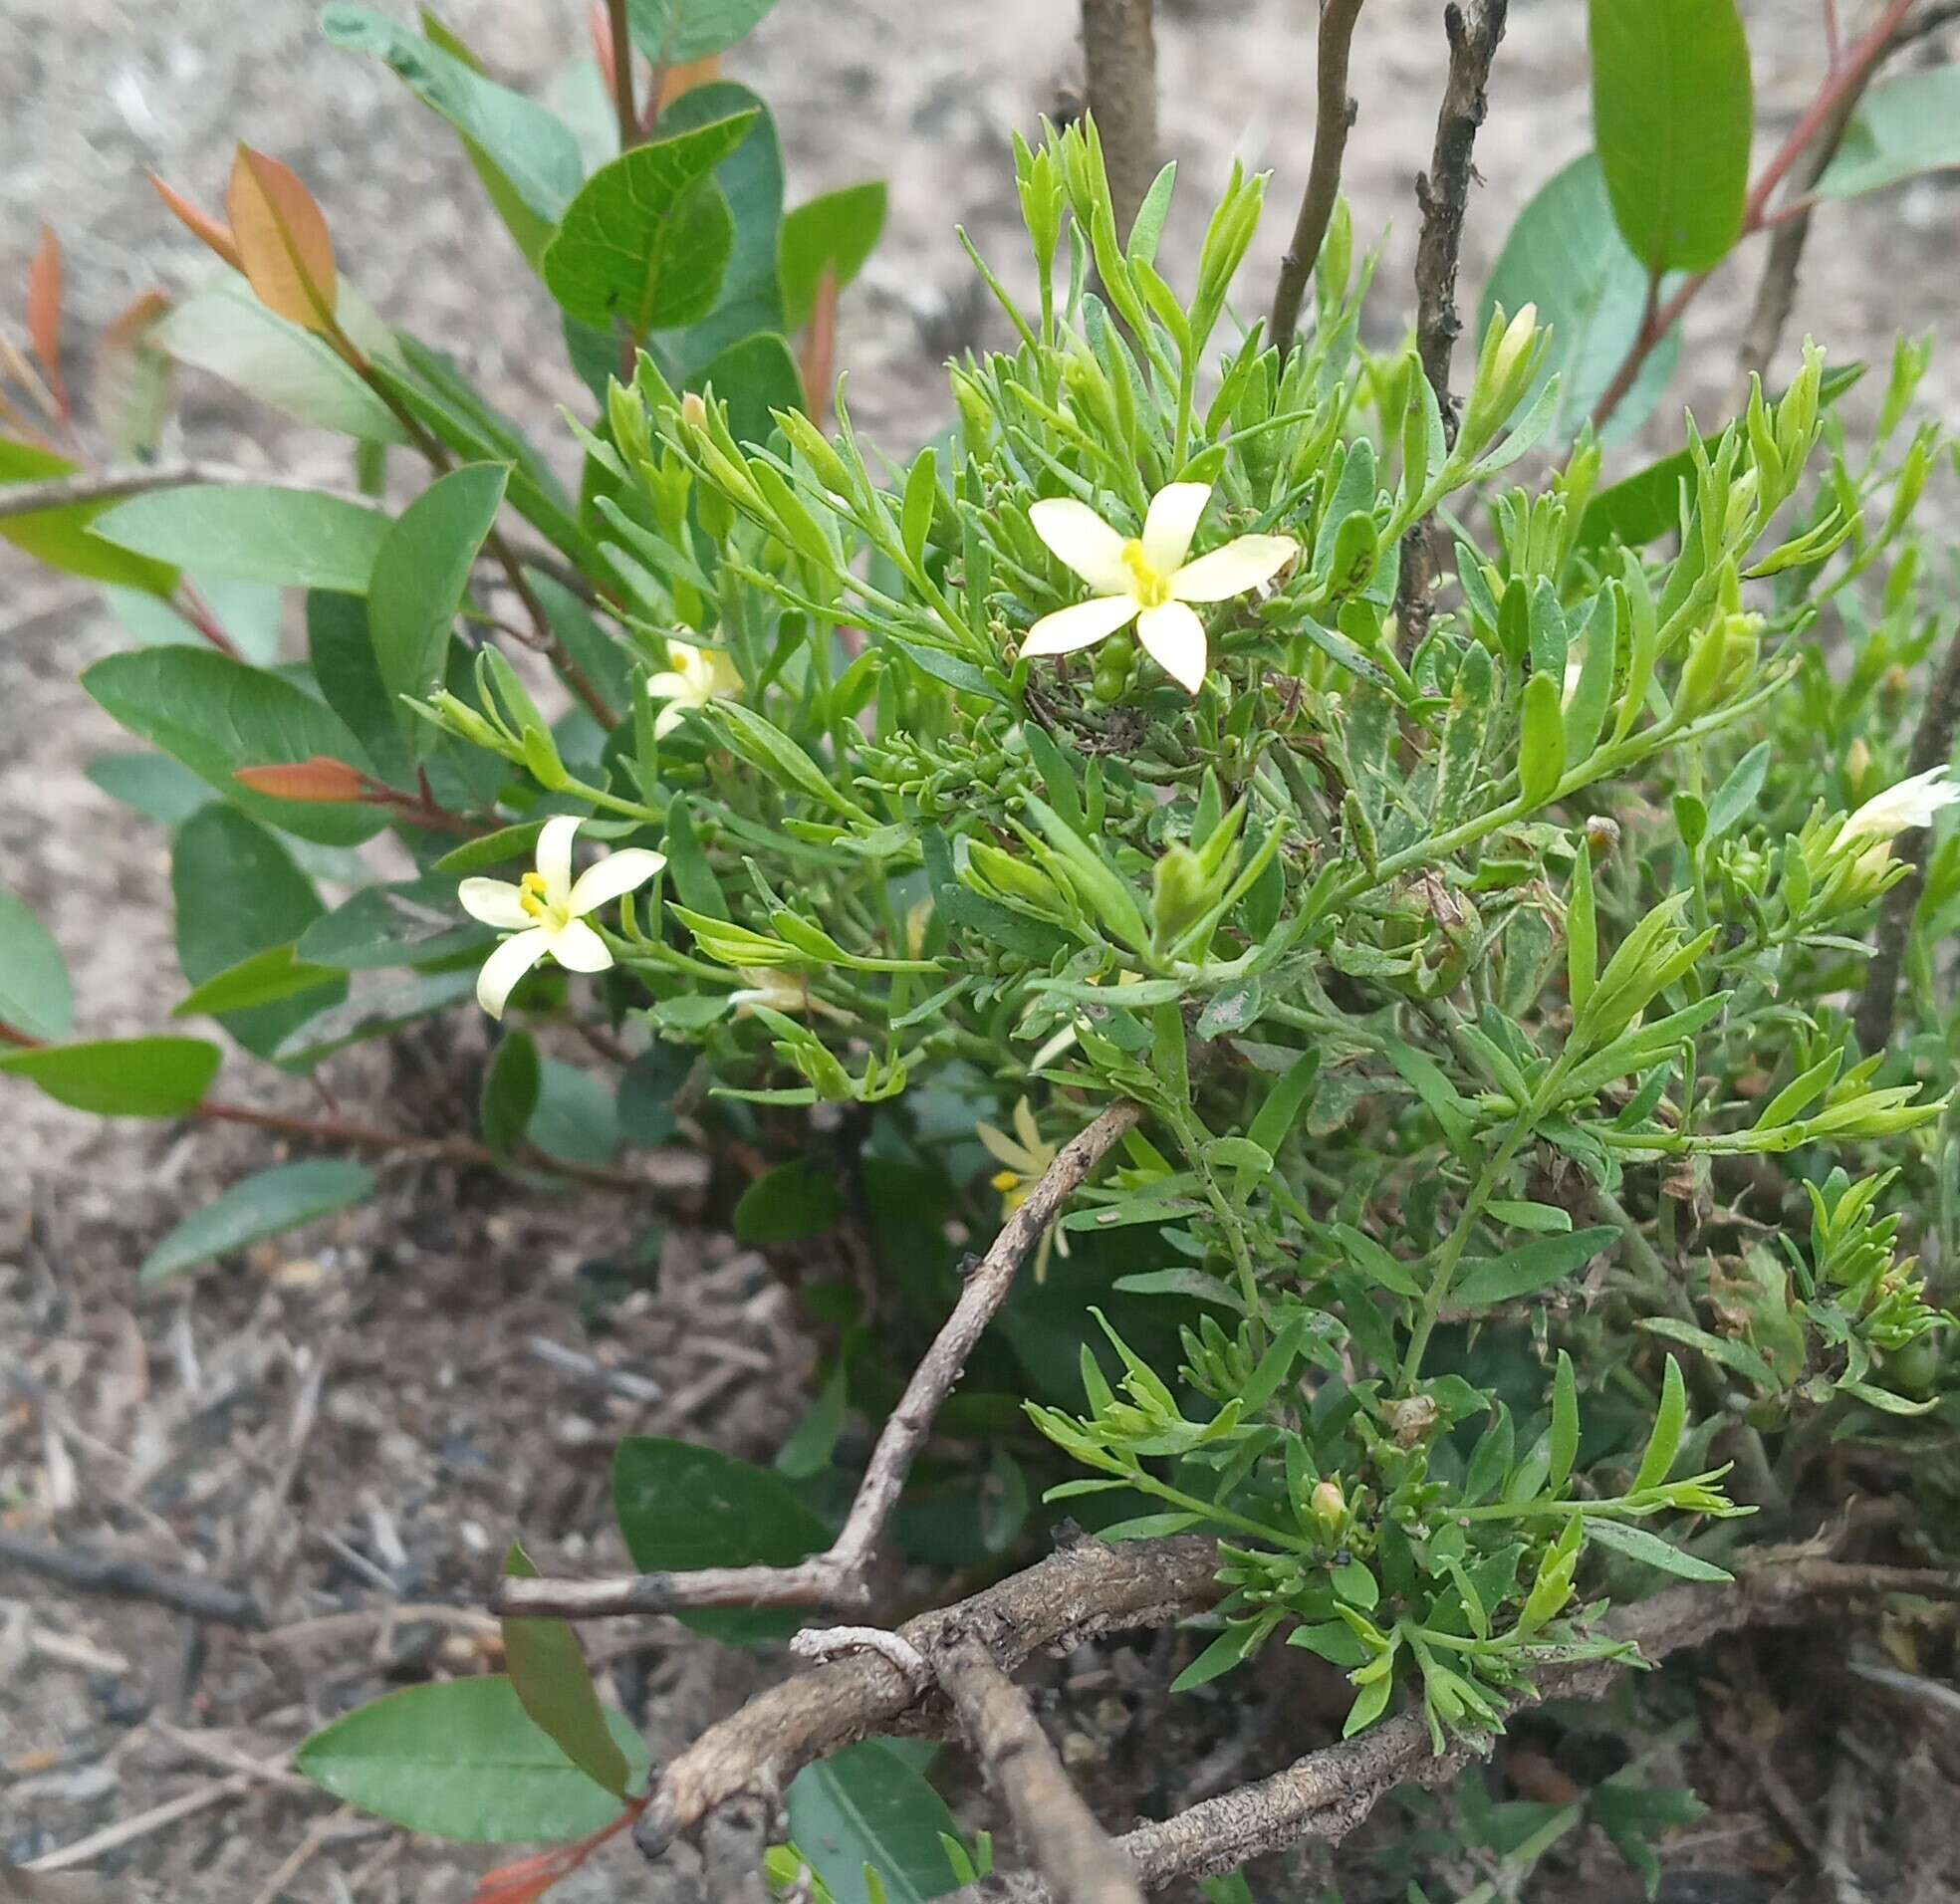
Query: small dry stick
(1932, 746)
(622, 81)
(1057, 1831)
(131, 1581)
(1120, 58)
(108, 485)
(840, 1575)
(1334, 115)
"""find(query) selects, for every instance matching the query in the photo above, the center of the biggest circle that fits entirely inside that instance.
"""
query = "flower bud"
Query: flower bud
(1179, 894)
(1327, 1506)
(693, 412)
(1506, 366)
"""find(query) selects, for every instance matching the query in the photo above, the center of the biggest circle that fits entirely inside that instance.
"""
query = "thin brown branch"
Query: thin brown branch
(1932, 746)
(1334, 114)
(138, 479)
(1057, 1832)
(621, 35)
(1120, 58)
(841, 1575)
(1084, 1589)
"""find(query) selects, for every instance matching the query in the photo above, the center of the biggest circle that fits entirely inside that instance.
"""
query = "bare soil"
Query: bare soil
(352, 1430)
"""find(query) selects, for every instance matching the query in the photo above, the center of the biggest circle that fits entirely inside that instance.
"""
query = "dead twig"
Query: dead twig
(131, 1580)
(108, 485)
(1119, 56)
(112, 1837)
(1932, 746)
(1334, 114)
(840, 1575)
(1057, 1831)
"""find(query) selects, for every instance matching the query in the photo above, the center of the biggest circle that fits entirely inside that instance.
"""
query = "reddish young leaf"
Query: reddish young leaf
(201, 224)
(518, 1892)
(600, 24)
(685, 77)
(44, 313)
(284, 247)
(133, 379)
(818, 358)
(319, 780)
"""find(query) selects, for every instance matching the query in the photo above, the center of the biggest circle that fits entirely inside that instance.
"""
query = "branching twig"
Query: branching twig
(138, 479)
(1059, 1833)
(840, 1575)
(1120, 60)
(1932, 746)
(1334, 114)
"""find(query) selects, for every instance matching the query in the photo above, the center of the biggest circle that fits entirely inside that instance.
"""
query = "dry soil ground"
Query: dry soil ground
(353, 1429)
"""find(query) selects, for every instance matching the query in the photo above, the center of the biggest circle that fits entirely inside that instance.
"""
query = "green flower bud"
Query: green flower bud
(1179, 893)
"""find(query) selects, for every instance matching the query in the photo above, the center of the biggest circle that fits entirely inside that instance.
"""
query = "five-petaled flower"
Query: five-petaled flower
(546, 910)
(1146, 579)
(1026, 1164)
(699, 677)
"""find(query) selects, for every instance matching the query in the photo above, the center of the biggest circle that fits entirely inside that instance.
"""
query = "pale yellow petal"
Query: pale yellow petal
(1234, 569)
(617, 872)
(555, 857)
(1175, 638)
(1025, 1126)
(1003, 1149)
(1067, 629)
(668, 686)
(496, 902)
(1172, 523)
(505, 966)
(1082, 539)
(577, 947)
(668, 718)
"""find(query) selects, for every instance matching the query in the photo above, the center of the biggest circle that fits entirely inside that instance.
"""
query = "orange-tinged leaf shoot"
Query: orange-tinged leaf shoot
(284, 248)
(320, 780)
(201, 223)
(44, 313)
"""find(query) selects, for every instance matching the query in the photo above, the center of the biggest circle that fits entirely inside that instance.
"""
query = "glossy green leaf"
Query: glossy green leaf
(63, 538)
(554, 1685)
(575, 1118)
(420, 574)
(1736, 798)
(122, 1076)
(670, 31)
(374, 1011)
(297, 538)
(463, 1759)
(1664, 1440)
(154, 783)
(34, 990)
(1483, 1280)
(1566, 255)
(262, 979)
(238, 893)
(511, 1084)
(216, 715)
(1902, 127)
(754, 377)
(265, 1205)
(1673, 116)
(648, 236)
(833, 233)
(404, 922)
(681, 1508)
(867, 1805)
(228, 332)
(341, 654)
(789, 1202)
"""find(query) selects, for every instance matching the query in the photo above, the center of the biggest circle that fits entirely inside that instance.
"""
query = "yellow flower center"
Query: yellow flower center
(531, 895)
(1146, 584)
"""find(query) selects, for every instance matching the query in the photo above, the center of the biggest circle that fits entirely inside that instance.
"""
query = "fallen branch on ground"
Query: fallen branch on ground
(840, 1575)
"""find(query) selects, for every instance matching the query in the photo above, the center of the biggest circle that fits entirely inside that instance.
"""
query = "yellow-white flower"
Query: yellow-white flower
(779, 991)
(546, 910)
(1912, 803)
(697, 676)
(1146, 579)
(1025, 1158)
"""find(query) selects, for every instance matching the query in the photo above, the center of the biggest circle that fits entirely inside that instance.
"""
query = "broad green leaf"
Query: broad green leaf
(681, 1508)
(673, 32)
(524, 153)
(1737, 796)
(867, 1805)
(554, 1685)
(1672, 114)
(833, 233)
(1904, 127)
(405, 922)
(154, 783)
(342, 653)
(783, 1205)
(648, 236)
(263, 979)
(122, 1076)
(297, 538)
(1566, 255)
(604, 658)
(273, 1201)
(420, 573)
(754, 377)
(1483, 1280)
(374, 1010)
(644, 1102)
(511, 1082)
(216, 715)
(463, 1759)
(34, 990)
(229, 332)
(63, 538)
(573, 1119)
(1649, 1549)
(238, 893)
(751, 180)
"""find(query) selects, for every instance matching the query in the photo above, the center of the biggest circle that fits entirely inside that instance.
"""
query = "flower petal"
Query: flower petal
(608, 879)
(1025, 1126)
(496, 902)
(1003, 1149)
(1175, 638)
(1234, 569)
(1172, 523)
(668, 686)
(505, 966)
(668, 718)
(1067, 629)
(1911, 803)
(555, 857)
(577, 947)
(1082, 539)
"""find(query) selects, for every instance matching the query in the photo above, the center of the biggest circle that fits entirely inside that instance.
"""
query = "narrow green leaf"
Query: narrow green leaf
(1485, 1279)
(1542, 749)
(1582, 931)
(1564, 1440)
(1638, 1545)
(1664, 1442)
